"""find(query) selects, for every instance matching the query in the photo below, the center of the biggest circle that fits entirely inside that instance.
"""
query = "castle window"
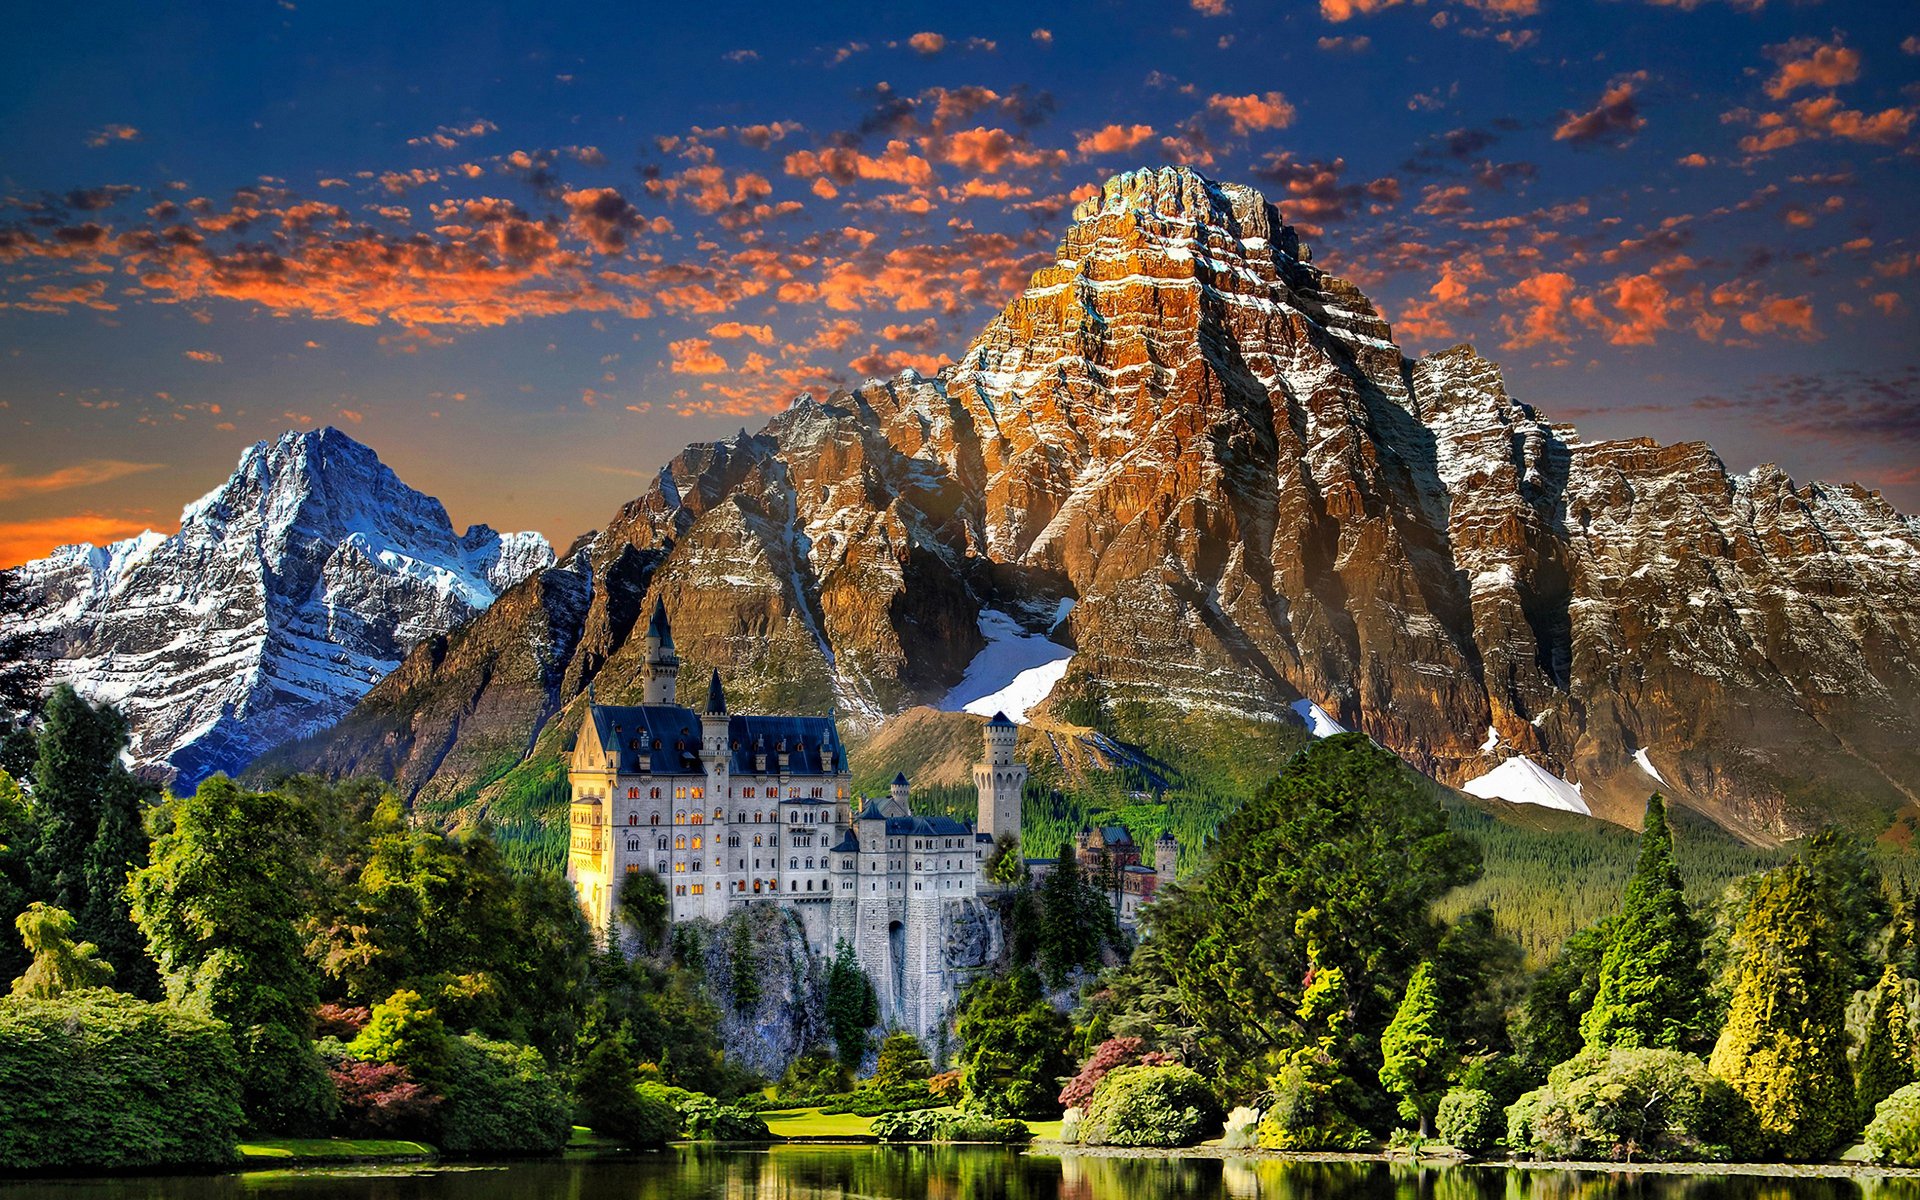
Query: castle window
(633, 793)
(756, 887)
(680, 843)
(633, 818)
(756, 815)
(809, 862)
(733, 841)
(696, 841)
(793, 816)
(916, 886)
(740, 818)
(660, 843)
(653, 793)
(740, 865)
(633, 868)
(793, 864)
(699, 818)
(699, 889)
(756, 839)
(818, 792)
(846, 864)
(749, 795)
(680, 793)
(679, 868)
(698, 793)
(653, 819)
(680, 816)
(840, 793)
(633, 845)
(717, 814)
(679, 889)
(809, 885)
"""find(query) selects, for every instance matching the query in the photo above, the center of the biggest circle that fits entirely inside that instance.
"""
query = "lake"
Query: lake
(952, 1173)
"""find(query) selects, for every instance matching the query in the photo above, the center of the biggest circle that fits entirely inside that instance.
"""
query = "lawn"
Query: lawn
(812, 1123)
(278, 1150)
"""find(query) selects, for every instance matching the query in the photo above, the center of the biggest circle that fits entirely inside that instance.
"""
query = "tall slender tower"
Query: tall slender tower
(662, 665)
(999, 778)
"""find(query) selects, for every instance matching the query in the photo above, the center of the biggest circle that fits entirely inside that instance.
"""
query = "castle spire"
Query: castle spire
(662, 665)
(659, 632)
(716, 699)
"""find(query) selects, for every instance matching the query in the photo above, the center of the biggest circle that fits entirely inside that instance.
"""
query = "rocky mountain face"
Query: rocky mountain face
(1202, 465)
(289, 591)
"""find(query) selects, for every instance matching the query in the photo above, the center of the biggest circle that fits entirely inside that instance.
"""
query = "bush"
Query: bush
(707, 1119)
(949, 1127)
(381, 1100)
(1149, 1106)
(1304, 1115)
(813, 1077)
(100, 1080)
(1629, 1104)
(1469, 1120)
(1242, 1130)
(1893, 1136)
(501, 1102)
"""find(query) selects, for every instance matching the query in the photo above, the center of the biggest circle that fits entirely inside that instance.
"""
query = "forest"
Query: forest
(1330, 973)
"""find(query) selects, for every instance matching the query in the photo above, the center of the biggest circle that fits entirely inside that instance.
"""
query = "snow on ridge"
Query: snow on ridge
(1319, 723)
(1013, 674)
(1646, 764)
(1520, 780)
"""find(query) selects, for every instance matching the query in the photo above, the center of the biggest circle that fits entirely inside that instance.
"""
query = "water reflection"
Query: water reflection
(953, 1173)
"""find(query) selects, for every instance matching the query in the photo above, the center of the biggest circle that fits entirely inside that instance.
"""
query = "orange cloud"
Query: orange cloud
(843, 165)
(24, 541)
(1822, 117)
(734, 329)
(1643, 301)
(1342, 10)
(202, 356)
(1616, 118)
(1545, 297)
(112, 133)
(1805, 62)
(1115, 139)
(1253, 112)
(928, 43)
(991, 151)
(91, 473)
(1211, 8)
(695, 356)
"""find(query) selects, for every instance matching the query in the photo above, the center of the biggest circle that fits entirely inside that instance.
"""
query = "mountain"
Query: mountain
(1193, 472)
(289, 591)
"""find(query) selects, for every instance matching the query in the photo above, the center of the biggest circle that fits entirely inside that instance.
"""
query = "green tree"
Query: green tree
(1653, 984)
(1853, 889)
(218, 906)
(612, 1102)
(89, 813)
(1344, 853)
(1885, 1062)
(743, 973)
(643, 909)
(1479, 971)
(1311, 1097)
(1559, 997)
(901, 1065)
(1013, 1047)
(1413, 1051)
(852, 1006)
(1073, 918)
(59, 963)
(1784, 1047)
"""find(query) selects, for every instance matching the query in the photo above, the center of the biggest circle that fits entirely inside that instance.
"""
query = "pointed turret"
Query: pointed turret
(899, 794)
(716, 699)
(662, 667)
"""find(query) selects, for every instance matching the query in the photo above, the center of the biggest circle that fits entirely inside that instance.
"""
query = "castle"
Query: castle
(729, 809)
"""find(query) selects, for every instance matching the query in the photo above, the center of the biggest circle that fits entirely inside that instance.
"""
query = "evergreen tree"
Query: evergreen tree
(1549, 1028)
(901, 1063)
(1903, 939)
(1885, 1062)
(1071, 924)
(88, 812)
(59, 963)
(218, 905)
(742, 972)
(1852, 888)
(852, 1006)
(1013, 1047)
(1345, 853)
(1653, 985)
(642, 908)
(1784, 1047)
(1413, 1051)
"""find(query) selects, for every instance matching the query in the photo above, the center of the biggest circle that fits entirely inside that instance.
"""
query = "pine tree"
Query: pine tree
(1784, 1047)
(1653, 986)
(1413, 1050)
(1852, 888)
(1885, 1062)
(852, 1007)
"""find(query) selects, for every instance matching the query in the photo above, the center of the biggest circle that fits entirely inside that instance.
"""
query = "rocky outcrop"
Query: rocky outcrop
(1201, 463)
(787, 987)
(289, 592)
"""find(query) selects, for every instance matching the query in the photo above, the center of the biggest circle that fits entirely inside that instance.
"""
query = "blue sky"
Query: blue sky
(527, 252)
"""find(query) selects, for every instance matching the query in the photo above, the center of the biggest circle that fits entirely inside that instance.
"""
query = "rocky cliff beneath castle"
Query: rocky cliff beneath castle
(1200, 465)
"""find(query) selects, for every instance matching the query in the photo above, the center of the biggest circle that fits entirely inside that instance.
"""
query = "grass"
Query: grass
(280, 1150)
(812, 1123)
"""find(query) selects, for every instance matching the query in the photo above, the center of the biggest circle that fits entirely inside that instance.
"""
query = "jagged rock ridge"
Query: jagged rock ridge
(288, 592)
(1202, 462)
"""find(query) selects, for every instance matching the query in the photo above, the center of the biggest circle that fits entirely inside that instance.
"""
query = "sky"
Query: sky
(527, 252)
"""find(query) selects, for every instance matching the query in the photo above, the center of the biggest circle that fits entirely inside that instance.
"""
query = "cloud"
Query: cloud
(1821, 117)
(1312, 193)
(1805, 62)
(107, 135)
(202, 356)
(695, 356)
(1211, 8)
(928, 43)
(24, 541)
(1270, 110)
(446, 137)
(90, 473)
(1043, 37)
(1344, 10)
(845, 165)
(1615, 119)
(1345, 45)
(603, 217)
(734, 329)
(1114, 139)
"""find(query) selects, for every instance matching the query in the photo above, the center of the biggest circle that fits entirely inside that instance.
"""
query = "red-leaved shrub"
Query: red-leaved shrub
(1108, 1056)
(340, 1020)
(381, 1100)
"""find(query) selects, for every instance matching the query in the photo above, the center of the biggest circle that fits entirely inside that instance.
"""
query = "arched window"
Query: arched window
(793, 864)
(680, 843)
(653, 793)
(655, 818)
(756, 817)
(756, 839)
(660, 843)
(633, 844)
(699, 792)
(633, 818)
(719, 815)
(633, 793)
(680, 793)
(809, 862)
(680, 816)
(696, 841)
(699, 818)
(749, 795)
(793, 816)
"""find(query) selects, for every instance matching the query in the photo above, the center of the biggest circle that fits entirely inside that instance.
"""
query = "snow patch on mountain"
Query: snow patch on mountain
(1646, 764)
(1520, 780)
(1319, 723)
(1013, 674)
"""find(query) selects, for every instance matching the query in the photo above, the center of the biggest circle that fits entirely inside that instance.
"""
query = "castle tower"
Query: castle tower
(999, 778)
(662, 665)
(898, 794)
(1166, 855)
